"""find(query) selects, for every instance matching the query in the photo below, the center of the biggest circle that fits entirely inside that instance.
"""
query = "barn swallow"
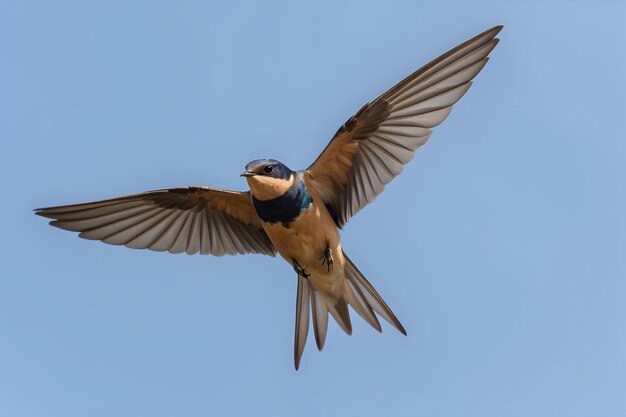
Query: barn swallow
(298, 214)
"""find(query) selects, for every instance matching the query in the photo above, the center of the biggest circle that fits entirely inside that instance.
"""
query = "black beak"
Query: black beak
(247, 174)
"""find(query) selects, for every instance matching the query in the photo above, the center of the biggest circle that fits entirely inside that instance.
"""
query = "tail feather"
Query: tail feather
(371, 295)
(359, 303)
(340, 313)
(358, 293)
(302, 319)
(320, 318)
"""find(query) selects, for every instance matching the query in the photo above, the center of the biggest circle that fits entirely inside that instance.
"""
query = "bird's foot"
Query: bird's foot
(300, 271)
(327, 258)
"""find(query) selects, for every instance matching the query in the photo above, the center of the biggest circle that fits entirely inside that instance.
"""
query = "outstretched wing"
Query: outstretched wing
(373, 146)
(186, 219)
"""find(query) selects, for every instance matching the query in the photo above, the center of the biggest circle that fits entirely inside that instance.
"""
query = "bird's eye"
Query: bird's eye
(268, 169)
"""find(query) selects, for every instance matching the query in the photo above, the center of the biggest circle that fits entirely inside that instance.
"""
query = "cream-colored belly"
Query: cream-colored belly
(305, 241)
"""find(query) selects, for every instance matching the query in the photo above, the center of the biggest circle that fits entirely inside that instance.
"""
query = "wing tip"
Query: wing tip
(42, 212)
(494, 30)
(486, 36)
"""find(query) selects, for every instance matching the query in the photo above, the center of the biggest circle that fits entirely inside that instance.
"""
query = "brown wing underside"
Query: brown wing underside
(186, 219)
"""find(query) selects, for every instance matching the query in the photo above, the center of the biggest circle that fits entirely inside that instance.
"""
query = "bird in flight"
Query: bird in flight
(298, 214)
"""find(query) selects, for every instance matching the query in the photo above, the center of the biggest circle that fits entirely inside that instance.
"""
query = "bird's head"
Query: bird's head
(268, 178)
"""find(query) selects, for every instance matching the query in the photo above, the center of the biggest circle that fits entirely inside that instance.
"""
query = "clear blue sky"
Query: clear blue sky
(500, 247)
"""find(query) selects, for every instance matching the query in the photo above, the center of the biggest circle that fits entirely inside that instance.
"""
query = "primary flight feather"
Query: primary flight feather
(298, 214)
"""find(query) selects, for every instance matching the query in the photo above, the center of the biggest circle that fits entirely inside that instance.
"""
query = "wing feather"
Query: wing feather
(166, 240)
(182, 237)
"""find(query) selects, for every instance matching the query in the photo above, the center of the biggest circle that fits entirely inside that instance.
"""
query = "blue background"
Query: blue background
(501, 246)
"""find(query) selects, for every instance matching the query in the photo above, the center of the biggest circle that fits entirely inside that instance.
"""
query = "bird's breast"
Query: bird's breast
(306, 236)
(299, 225)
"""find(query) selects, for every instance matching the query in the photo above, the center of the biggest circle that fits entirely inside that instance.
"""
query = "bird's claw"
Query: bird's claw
(327, 258)
(302, 272)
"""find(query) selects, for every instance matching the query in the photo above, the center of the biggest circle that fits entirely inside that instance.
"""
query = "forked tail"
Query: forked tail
(358, 293)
